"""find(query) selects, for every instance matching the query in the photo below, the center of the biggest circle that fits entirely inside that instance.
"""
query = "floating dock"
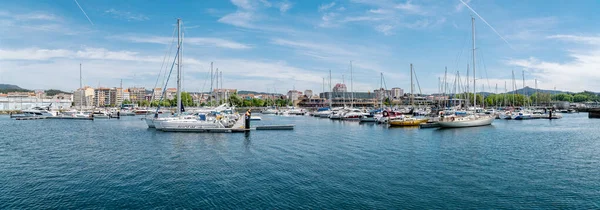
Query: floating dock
(54, 118)
(275, 127)
(69, 118)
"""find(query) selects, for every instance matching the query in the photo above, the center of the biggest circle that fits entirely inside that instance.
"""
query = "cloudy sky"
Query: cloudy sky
(267, 45)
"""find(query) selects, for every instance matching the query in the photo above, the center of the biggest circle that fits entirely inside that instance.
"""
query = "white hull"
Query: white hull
(467, 123)
(150, 122)
(178, 125)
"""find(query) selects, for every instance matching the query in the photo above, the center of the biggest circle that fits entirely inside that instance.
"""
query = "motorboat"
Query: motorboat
(255, 118)
(39, 112)
(270, 111)
(354, 114)
(294, 111)
(523, 115)
(100, 115)
(389, 115)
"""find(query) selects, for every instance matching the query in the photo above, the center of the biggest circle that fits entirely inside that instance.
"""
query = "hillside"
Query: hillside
(53, 92)
(530, 91)
(5, 88)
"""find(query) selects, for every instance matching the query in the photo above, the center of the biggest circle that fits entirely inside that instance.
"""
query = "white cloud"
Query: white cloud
(105, 68)
(379, 11)
(129, 16)
(37, 16)
(34, 54)
(240, 19)
(408, 7)
(385, 29)
(325, 7)
(244, 4)
(285, 6)
(577, 74)
(201, 41)
(593, 40)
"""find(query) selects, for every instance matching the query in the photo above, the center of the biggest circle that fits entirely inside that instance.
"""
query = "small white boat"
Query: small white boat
(100, 115)
(270, 111)
(255, 118)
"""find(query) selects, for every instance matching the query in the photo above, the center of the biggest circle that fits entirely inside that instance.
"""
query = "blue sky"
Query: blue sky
(264, 45)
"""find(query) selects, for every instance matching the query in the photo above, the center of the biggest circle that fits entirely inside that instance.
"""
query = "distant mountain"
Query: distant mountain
(5, 88)
(10, 87)
(53, 92)
(530, 91)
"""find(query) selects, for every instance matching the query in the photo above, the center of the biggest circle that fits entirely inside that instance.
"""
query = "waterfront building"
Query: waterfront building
(126, 95)
(24, 101)
(103, 97)
(83, 97)
(223, 93)
(361, 99)
(293, 95)
(137, 94)
(170, 93)
(397, 93)
(382, 93)
(340, 88)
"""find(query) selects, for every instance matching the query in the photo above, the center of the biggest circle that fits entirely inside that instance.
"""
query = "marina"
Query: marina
(353, 164)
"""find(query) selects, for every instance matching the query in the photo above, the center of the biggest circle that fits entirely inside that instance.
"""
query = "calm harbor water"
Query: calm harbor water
(321, 164)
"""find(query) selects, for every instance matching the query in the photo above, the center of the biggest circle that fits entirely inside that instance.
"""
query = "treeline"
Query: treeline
(536, 98)
(234, 99)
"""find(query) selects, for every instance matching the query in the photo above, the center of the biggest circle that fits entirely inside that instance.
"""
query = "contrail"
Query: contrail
(493, 29)
(84, 12)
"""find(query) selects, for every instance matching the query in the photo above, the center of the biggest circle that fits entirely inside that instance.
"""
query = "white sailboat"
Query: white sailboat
(152, 120)
(474, 119)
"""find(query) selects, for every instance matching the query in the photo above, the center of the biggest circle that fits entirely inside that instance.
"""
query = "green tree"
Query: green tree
(235, 100)
(186, 99)
(563, 97)
(256, 102)
(126, 101)
(580, 98)
(247, 103)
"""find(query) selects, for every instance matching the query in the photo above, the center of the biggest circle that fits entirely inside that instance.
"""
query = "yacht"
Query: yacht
(39, 112)
(354, 114)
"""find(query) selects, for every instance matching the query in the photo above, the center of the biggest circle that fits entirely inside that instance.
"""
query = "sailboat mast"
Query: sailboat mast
(411, 85)
(179, 67)
(351, 88)
(525, 99)
(536, 94)
(381, 89)
(345, 90)
(211, 82)
(81, 88)
(474, 78)
(330, 90)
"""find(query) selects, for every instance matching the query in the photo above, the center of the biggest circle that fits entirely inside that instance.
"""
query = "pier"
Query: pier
(593, 113)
